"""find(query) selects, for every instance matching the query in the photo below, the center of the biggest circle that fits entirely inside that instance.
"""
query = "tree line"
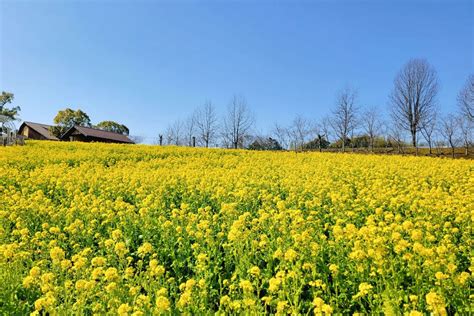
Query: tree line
(414, 114)
(67, 118)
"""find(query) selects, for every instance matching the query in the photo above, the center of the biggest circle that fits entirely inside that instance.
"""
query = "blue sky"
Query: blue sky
(148, 63)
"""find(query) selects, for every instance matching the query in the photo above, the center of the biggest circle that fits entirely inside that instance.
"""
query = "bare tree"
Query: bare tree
(449, 132)
(344, 117)
(300, 130)
(466, 98)
(237, 122)
(325, 126)
(282, 135)
(189, 128)
(413, 98)
(466, 127)
(320, 133)
(439, 145)
(206, 123)
(174, 133)
(395, 135)
(372, 125)
(428, 128)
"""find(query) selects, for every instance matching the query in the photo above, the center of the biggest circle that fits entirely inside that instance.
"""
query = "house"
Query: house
(88, 134)
(38, 131)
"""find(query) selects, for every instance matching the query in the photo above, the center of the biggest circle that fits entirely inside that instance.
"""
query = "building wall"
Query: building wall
(31, 133)
(88, 139)
(24, 131)
(77, 138)
(102, 140)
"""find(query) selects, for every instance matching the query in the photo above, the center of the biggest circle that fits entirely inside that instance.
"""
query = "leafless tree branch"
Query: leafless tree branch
(413, 98)
(237, 122)
(344, 115)
(466, 98)
(206, 123)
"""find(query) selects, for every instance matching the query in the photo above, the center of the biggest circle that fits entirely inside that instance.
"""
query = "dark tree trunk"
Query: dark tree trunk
(413, 140)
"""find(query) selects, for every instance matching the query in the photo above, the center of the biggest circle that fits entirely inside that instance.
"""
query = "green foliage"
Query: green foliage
(7, 98)
(265, 144)
(112, 126)
(363, 141)
(380, 142)
(65, 119)
(338, 143)
(318, 142)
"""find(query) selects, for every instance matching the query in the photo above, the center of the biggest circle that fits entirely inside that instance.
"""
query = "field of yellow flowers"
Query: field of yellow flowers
(142, 230)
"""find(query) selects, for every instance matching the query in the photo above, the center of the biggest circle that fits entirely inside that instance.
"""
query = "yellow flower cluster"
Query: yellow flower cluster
(144, 230)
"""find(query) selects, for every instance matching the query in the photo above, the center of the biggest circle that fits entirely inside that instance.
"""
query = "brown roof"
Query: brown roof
(98, 133)
(42, 129)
